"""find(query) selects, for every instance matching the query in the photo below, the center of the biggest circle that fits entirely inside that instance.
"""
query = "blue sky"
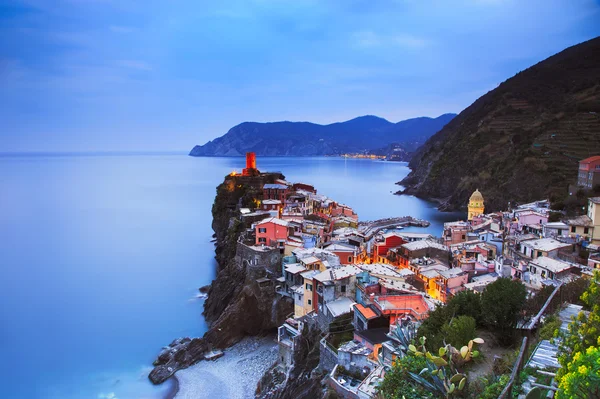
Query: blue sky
(81, 75)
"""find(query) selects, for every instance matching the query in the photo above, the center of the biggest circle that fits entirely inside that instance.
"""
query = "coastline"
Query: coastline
(174, 388)
(235, 375)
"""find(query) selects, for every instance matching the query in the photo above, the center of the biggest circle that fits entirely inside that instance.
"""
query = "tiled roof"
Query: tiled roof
(277, 221)
(366, 312)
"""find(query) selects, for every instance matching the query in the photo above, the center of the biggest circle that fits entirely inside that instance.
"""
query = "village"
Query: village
(364, 284)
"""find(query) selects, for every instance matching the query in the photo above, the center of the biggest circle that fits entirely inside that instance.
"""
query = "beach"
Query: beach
(235, 375)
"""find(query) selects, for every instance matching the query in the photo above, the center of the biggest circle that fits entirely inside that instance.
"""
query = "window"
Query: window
(309, 302)
(573, 229)
(586, 230)
(343, 288)
(539, 253)
(349, 259)
(262, 229)
(463, 236)
(308, 287)
(262, 239)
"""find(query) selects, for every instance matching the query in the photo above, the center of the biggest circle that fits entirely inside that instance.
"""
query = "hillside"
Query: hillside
(519, 142)
(365, 133)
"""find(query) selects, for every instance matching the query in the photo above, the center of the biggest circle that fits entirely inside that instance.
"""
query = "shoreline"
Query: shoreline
(235, 375)
(172, 393)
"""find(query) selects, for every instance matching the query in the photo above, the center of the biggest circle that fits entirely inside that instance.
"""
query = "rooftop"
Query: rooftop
(356, 348)
(340, 306)
(271, 202)
(381, 270)
(374, 335)
(337, 273)
(545, 244)
(277, 221)
(295, 268)
(583, 220)
(367, 313)
(595, 200)
(275, 186)
(450, 273)
(554, 265)
(590, 159)
(423, 244)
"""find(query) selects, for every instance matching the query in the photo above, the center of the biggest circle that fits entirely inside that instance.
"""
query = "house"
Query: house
(333, 313)
(418, 249)
(547, 247)
(383, 243)
(581, 227)
(304, 187)
(479, 283)
(594, 215)
(272, 232)
(334, 283)
(347, 253)
(455, 232)
(275, 192)
(288, 337)
(543, 269)
(555, 230)
(589, 172)
(309, 294)
(271, 205)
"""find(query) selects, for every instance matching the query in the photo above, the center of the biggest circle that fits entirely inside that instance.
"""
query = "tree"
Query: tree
(459, 331)
(502, 302)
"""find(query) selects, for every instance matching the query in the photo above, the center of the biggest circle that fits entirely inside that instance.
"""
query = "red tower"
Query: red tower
(250, 169)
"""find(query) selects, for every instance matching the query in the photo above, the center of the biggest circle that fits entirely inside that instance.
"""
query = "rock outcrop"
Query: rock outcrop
(237, 305)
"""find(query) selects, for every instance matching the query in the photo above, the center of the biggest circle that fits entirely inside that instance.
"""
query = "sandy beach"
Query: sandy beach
(234, 375)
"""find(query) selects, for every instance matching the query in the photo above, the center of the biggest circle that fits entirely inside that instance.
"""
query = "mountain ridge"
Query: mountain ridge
(520, 141)
(285, 138)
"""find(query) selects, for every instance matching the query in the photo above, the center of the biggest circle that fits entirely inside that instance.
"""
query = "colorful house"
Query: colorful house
(272, 232)
(275, 192)
(589, 172)
(383, 244)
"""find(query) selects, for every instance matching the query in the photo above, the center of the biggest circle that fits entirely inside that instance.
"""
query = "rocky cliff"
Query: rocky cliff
(365, 133)
(237, 305)
(519, 142)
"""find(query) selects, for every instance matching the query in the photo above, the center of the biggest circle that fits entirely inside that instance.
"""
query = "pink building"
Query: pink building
(272, 232)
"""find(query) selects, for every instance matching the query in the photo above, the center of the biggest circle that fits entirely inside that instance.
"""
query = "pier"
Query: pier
(371, 228)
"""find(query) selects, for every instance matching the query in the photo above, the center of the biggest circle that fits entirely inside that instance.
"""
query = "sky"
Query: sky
(124, 75)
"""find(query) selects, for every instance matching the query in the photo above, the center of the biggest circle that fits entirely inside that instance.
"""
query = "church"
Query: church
(476, 206)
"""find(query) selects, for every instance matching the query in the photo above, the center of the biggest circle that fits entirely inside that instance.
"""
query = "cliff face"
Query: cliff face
(237, 305)
(519, 142)
(310, 139)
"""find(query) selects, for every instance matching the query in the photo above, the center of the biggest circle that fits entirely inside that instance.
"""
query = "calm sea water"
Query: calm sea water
(102, 257)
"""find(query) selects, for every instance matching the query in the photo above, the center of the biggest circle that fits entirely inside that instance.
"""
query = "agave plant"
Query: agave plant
(445, 378)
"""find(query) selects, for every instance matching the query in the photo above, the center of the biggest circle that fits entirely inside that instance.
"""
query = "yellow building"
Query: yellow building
(476, 206)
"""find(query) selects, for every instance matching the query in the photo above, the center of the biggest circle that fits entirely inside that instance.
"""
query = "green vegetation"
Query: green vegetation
(502, 303)
(397, 382)
(579, 355)
(551, 324)
(459, 331)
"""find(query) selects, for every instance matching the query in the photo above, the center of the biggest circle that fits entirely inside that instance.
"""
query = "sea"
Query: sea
(102, 255)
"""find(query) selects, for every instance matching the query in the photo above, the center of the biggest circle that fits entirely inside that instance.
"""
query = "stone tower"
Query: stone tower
(250, 169)
(476, 206)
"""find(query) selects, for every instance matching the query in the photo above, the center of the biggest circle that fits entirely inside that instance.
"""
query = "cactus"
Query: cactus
(446, 380)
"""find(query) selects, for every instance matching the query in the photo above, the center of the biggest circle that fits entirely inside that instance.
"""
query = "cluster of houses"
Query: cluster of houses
(364, 289)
